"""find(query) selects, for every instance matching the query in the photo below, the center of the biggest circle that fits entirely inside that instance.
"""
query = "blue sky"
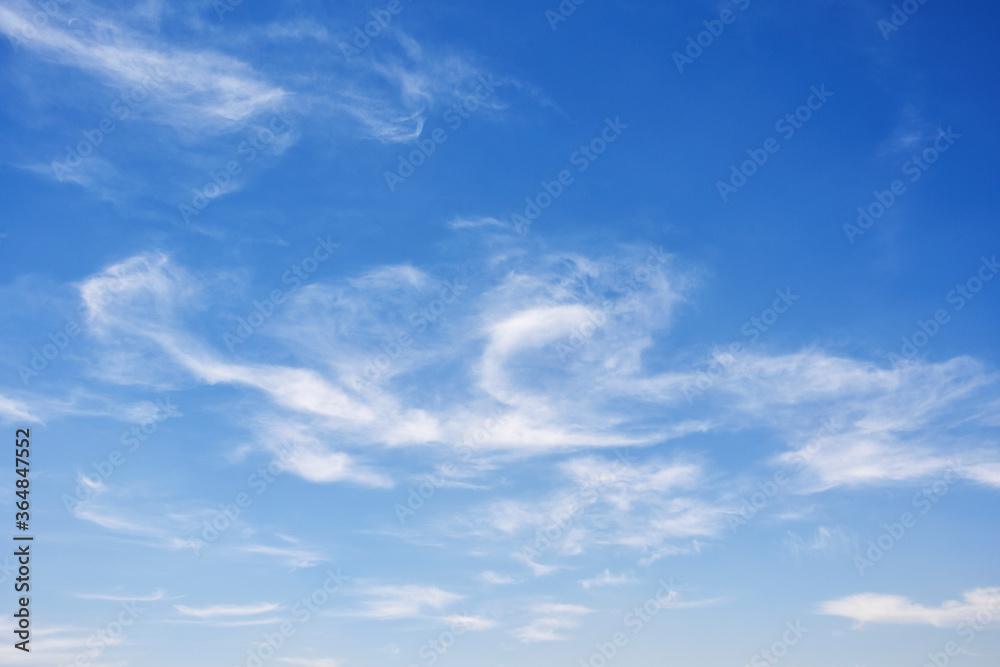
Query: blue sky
(522, 333)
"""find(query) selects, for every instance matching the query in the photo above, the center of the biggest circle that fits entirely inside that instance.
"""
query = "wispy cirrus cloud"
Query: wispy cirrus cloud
(296, 558)
(158, 594)
(551, 621)
(824, 541)
(395, 91)
(189, 88)
(160, 533)
(131, 514)
(651, 508)
(608, 579)
(59, 644)
(500, 342)
(476, 223)
(407, 601)
(222, 610)
(496, 578)
(12, 409)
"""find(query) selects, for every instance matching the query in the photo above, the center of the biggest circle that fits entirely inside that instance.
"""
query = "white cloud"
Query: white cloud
(130, 512)
(471, 623)
(297, 30)
(190, 88)
(911, 133)
(824, 541)
(410, 601)
(227, 610)
(393, 90)
(158, 594)
(550, 622)
(311, 662)
(896, 609)
(537, 569)
(499, 340)
(667, 551)
(602, 503)
(297, 443)
(466, 223)
(892, 424)
(139, 297)
(144, 293)
(895, 424)
(58, 645)
(531, 328)
(142, 297)
(495, 578)
(296, 558)
(984, 473)
(608, 579)
(114, 519)
(14, 410)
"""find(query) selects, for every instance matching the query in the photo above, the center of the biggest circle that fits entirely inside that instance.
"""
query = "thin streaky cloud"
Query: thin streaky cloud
(227, 610)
